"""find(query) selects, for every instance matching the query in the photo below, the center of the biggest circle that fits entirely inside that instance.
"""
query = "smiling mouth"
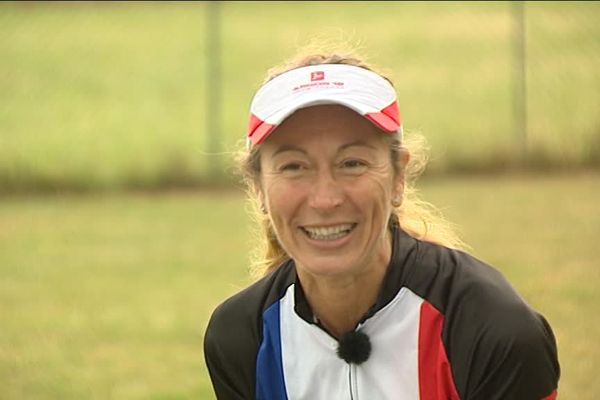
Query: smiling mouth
(328, 232)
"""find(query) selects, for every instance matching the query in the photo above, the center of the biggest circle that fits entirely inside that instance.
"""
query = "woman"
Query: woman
(363, 296)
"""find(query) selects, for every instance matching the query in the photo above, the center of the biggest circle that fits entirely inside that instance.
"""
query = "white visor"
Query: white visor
(359, 89)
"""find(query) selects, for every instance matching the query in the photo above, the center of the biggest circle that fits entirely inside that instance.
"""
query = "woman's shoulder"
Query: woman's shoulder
(472, 295)
(246, 307)
(444, 274)
(234, 333)
(489, 328)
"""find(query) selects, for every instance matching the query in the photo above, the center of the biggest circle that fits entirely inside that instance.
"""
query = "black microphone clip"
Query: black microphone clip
(354, 347)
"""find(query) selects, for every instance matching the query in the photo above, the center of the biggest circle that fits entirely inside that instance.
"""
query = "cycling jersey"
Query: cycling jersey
(445, 326)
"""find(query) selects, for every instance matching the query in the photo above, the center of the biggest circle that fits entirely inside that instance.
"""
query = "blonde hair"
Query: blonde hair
(416, 217)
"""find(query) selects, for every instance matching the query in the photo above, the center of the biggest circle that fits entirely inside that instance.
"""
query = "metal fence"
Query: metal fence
(114, 95)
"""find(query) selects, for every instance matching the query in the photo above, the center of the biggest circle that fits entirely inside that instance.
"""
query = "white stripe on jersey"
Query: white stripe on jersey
(312, 369)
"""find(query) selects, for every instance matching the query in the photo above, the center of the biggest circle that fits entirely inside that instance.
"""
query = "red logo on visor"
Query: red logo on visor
(317, 76)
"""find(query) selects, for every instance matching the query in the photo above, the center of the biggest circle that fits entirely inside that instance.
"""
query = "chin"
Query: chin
(327, 266)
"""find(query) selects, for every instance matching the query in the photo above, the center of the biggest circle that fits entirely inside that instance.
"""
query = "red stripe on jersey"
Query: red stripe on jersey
(553, 396)
(435, 375)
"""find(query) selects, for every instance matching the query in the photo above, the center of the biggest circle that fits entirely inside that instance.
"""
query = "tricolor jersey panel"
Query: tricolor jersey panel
(446, 326)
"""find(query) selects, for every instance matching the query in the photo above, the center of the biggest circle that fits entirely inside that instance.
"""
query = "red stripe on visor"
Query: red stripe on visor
(258, 130)
(254, 123)
(387, 119)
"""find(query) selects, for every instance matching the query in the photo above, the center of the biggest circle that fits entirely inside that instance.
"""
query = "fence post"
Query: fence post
(520, 78)
(213, 87)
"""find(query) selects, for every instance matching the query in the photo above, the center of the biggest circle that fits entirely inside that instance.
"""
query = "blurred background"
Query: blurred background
(123, 224)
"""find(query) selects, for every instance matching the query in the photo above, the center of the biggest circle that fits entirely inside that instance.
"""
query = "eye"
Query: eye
(353, 163)
(293, 166)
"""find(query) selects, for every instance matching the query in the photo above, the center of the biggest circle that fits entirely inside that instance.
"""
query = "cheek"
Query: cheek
(373, 198)
(281, 198)
(377, 187)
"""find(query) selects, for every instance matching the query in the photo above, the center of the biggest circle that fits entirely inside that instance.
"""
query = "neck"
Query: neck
(339, 302)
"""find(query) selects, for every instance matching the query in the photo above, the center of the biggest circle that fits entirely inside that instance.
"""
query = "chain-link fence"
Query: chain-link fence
(114, 95)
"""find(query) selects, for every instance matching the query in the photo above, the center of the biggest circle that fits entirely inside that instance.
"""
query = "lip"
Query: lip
(326, 225)
(327, 244)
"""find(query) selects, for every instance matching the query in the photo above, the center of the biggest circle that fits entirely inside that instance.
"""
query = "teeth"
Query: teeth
(329, 232)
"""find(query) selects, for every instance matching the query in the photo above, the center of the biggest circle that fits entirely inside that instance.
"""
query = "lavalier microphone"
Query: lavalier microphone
(354, 347)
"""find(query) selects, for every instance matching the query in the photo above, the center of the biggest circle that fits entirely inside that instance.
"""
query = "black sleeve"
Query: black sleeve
(500, 348)
(230, 347)
(234, 334)
(514, 357)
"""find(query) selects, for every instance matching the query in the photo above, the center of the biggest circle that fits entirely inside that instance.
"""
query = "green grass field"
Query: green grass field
(107, 297)
(114, 94)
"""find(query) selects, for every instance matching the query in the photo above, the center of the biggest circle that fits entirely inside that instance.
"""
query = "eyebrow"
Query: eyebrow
(288, 147)
(359, 143)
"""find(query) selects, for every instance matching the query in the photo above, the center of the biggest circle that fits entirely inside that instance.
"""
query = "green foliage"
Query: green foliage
(112, 95)
(107, 297)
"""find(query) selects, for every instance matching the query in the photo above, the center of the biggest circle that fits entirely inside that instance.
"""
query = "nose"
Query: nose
(326, 193)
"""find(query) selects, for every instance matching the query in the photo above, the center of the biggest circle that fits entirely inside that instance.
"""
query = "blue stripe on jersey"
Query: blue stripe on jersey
(270, 384)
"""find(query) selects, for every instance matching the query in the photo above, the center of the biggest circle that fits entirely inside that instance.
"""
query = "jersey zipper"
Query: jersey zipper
(352, 382)
(352, 372)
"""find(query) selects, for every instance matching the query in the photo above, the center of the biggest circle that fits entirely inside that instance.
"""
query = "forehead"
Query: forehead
(324, 125)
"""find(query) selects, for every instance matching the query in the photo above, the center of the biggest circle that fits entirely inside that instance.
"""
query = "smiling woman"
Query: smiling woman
(365, 295)
(325, 158)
